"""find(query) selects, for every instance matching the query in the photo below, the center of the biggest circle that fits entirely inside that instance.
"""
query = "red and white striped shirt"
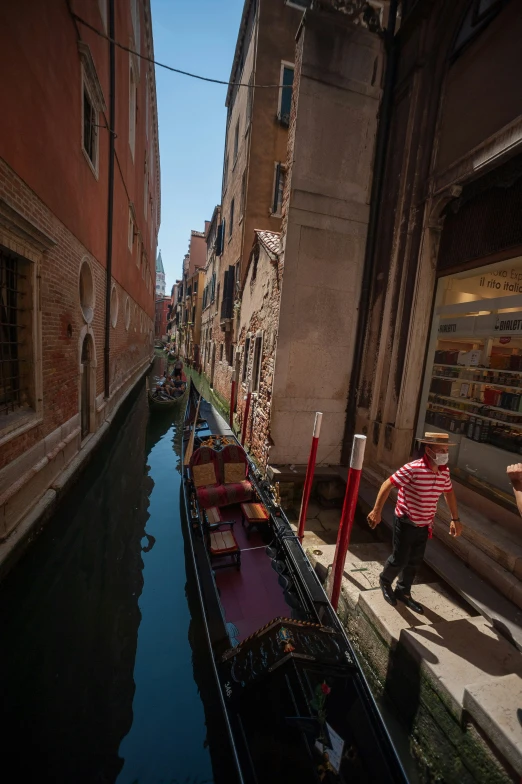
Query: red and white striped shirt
(419, 490)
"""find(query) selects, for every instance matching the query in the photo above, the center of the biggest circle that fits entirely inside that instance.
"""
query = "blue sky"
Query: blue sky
(199, 37)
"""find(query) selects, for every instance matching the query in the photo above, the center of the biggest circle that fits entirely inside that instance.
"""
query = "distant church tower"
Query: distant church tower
(160, 277)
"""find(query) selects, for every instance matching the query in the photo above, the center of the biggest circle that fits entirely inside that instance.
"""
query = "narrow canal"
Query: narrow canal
(101, 658)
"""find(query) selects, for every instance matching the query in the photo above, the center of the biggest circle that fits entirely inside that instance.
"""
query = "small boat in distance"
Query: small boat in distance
(295, 702)
(160, 399)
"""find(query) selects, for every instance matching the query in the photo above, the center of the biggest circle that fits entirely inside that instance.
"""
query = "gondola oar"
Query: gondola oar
(190, 446)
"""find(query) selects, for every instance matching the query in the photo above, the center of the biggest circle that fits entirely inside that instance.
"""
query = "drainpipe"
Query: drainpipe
(110, 204)
(381, 145)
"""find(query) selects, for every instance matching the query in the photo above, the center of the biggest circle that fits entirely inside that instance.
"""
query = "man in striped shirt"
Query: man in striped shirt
(420, 484)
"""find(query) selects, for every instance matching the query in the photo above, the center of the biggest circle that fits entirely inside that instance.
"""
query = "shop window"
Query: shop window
(473, 384)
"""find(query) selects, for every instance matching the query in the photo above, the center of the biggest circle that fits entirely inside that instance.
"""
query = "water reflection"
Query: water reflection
(97, 682)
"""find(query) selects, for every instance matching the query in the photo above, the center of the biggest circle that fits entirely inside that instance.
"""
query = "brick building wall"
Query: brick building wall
(53, 228)
(259, 318)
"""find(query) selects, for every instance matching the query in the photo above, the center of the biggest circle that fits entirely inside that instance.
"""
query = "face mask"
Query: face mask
(439, 458)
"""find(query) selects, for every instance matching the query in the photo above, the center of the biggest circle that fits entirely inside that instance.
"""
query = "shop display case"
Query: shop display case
(473, 384)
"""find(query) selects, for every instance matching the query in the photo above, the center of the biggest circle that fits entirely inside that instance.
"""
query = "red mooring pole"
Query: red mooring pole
(309, 474)
(345, 526)
(233, 397)
(245, 415)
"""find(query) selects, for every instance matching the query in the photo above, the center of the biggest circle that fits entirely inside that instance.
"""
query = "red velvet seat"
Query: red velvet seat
(222, 493)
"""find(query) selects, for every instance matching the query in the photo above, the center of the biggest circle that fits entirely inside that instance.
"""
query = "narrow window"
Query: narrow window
(90, 129)
(236, 141)
(132, 110)
(250, 99)
(102, 5)
(131, 231)
(285, 93)
(245, 360)
(256, 365)
(231, 227)
(135, 14)
(225, 174)
(279, 187)
(243, 194)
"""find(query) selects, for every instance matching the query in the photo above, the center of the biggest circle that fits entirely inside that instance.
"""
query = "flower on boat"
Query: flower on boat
(325, 688)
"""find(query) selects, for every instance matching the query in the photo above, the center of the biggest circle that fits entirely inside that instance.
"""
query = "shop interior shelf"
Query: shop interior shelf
(478, 403)
(511, 425)
(480, 383)
(478, 369)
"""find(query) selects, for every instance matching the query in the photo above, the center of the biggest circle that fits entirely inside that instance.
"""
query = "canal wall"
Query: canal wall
(32, 485)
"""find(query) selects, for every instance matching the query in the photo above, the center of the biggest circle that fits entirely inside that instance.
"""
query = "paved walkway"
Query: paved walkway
(455, 680)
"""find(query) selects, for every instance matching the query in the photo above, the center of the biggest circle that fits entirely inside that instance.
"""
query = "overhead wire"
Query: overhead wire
(170, 67)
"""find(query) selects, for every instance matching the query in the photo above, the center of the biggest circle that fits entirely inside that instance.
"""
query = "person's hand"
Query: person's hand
(374, 518)
(514, 473)
(455, 528)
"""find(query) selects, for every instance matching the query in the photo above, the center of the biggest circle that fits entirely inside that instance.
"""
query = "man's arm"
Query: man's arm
(514, 473)
(455, 525)
(374, 518)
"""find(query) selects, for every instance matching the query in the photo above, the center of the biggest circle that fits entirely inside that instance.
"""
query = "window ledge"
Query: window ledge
(91, 165)
(17, 423)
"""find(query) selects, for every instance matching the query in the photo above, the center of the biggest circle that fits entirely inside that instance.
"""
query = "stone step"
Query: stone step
(482, 563)
(495, 541)
(439, 605)
(456, 654)
(494, 706)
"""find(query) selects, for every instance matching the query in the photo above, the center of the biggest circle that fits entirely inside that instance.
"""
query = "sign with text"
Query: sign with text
(492, 325)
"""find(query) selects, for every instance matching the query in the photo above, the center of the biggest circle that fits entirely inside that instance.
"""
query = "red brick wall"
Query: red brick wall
(60, 307)
(40, 133)
(160, 328)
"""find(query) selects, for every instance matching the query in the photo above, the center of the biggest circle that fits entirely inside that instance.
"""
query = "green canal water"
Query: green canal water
(104, 672)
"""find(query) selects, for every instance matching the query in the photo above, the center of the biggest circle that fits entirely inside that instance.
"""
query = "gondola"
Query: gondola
(295, 702)
(156, 404)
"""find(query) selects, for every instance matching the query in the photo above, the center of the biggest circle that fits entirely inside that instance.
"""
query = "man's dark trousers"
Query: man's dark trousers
(409, 544)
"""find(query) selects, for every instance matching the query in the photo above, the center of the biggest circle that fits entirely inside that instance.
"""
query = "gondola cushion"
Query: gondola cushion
(223, 493)
(223, 543)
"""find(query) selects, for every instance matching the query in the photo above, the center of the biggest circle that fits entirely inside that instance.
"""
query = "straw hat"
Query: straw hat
(442, 439)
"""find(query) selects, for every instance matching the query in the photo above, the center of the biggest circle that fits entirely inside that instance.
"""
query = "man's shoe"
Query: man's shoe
(387, 592)
(410, 603)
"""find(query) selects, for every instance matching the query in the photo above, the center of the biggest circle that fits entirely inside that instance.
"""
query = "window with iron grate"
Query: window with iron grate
(15, 334)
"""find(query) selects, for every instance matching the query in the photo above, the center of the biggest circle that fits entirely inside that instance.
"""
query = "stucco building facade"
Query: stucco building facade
(73, 205)
(254, 165)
